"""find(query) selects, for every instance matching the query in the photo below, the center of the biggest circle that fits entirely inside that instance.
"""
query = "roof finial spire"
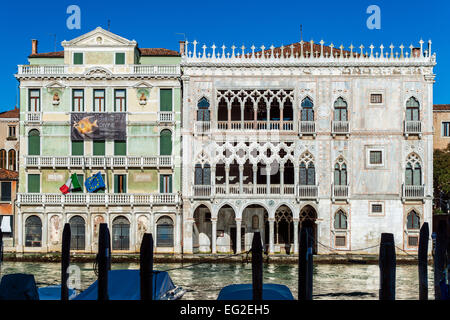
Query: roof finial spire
(301, 32)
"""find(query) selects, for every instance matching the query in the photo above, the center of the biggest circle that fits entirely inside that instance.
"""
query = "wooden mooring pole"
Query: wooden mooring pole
(423, 261)
(146, 267)
(387, 265)
(439, 257)
(305, 265)
(103, 257)
(257, 267)
(65, 261)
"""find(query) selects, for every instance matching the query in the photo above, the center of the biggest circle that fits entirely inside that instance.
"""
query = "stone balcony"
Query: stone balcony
(34, 117)
(95, 199)
(251, 125)
(339, 192)
(165, 116)
(412, 128)
(340, 128)
(413, 192)
(306, 128)
(98, 162)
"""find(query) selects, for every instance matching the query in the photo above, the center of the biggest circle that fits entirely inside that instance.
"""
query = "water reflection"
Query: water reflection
(336, 282)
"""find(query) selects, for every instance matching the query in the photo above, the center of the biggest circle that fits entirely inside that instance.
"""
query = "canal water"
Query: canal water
(331, 282)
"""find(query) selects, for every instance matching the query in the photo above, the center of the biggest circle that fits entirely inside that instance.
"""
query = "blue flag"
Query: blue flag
(94, 183)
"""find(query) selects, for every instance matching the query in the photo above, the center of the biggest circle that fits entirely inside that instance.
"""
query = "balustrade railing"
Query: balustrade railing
(82, 199)
(157, 70)
(413, 127)
(202, 127)
(340, 127)
(34, 116)
(307, 192)
(307, 127)
(165, 116)
(413, 191)
(340, 192)
(202, 191)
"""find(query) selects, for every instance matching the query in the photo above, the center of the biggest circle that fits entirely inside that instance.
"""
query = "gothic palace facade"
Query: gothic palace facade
(264, 139)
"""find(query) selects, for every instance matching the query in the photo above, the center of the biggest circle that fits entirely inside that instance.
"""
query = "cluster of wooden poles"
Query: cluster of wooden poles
(387, 263)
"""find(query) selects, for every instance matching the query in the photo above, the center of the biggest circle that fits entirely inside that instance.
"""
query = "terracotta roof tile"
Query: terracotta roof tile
(158, 52)
(441, 107)
(57, 54)
(8, 174)
(14, 113)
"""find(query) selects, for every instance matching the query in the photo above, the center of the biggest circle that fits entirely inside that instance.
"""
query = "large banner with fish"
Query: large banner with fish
(98, 126)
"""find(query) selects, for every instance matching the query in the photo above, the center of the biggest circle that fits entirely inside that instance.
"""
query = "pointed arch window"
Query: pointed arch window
(33, 232)
(307, 112)
(340, 220)
(413, 221)
(340, 174)
(203, 112)
(412, 110)
(12, 160)
(307, 174)
(413, 175)
(3, 159)
(340, 110)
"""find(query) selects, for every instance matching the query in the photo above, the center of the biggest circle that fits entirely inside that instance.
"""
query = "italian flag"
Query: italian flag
(71, 184)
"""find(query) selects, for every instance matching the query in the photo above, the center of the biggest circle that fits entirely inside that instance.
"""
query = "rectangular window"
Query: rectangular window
(120, 57)
(413, 241)
(6, 191)
(78, 58)
(165, 99)
(340, 241)
(34, 182)
(120, 100)
(120, 148)
(376, 157)
(77, 148)
(78, 100)
(376, 98)
(377, 208)
(446, 129)
(34, 100)
(11, 131)
(165, 183)
(120, 183)
(99, 100)
(98, 148)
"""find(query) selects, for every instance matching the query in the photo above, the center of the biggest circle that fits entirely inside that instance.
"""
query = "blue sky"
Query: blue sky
(156, 24)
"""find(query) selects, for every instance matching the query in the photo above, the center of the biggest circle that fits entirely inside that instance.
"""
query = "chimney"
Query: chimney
(182, 44)
(34, 46)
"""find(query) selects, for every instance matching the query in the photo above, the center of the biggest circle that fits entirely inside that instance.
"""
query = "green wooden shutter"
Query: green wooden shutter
(77, 148)
(170, 184)
(34, 183)
(78, 58)
(116, 183)
(120, 58)
(6, 191)
(99, 148)
(81, 181)
(165, 143)
(165, 96)
(34, 143)
(120, 148)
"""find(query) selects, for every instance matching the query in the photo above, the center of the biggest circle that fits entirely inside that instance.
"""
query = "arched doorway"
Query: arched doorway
(226, 230)
(284, 229)
(77, 231)
(164, 232)
(121, 234)
(253, 220)
(33, 232)
(308, 217)
(202, 230)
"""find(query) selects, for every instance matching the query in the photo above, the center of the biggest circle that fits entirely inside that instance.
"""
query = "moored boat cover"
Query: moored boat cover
(18, 286)
(125, 285)
(245, 292)
(53, 293)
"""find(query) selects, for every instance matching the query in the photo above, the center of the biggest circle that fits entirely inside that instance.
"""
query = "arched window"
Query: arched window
(340, 174)
(412, 110)
(340, 220)
(203, 110)
(33, 232)
(413, 221)
(413, 175)
(77, 231)
(11, 160)
(202, 174)
(164, 232)
(307, 170)
(307, 112)
(121, 234)
(3, 159)
(340, 110)
(34, 143)
(165, 143)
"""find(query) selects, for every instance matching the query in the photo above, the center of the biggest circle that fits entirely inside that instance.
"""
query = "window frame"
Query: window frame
(94, 99)
(82, 58)
(443, 124)
(82, 100)
(1, 191)
(123, 100)
(124, 58)
(370, 149)
(38, 107)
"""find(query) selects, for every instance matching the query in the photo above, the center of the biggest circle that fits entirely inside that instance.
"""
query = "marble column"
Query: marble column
(296, 221)
(296, 177)
(188, 234)
(267, 179)
(213, 180)
(281, 179)
(229, 118)
(177, 248)
(238, 235)
(271, 236)
(255, 171)
(20, 230)
(214, 236)
(255, 118)
(281, 117)
(242, 116)
(241, 178)
(227, 176)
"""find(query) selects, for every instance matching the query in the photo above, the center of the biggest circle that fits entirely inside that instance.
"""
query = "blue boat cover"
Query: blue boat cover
(245, 292)
(54, 293)
(18, 286)
(125, 285)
